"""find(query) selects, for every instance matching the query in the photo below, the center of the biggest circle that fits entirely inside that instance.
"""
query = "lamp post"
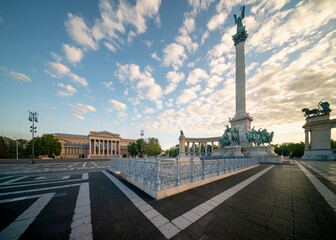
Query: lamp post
(17, 150)
(33, 119)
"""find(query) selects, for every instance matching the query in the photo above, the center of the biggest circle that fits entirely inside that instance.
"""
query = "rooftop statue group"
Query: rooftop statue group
(230, 136)
(323, 108)
(259, 137)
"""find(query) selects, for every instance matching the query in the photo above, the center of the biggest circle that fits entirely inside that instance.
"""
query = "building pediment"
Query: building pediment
(103, 134)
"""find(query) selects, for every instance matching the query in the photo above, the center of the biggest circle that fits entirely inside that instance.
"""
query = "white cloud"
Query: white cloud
(73, 54)
(117, 105)
(122, 114)
(155, 56)
(188, 95)
(214, 81)
(204, 36)
(77, 116)
(148, 110)
(19, 76)
(131, 36)
(173, 79)
(174, 55)
(148, 43)
(143, 82)
(58, 69)
(56, 57)
(109, 85)
(69, 90)
(217, 21)
(199, 5)
(80, 32)
(196, 75)
(110, 47)
(170, 102)
(80, 108)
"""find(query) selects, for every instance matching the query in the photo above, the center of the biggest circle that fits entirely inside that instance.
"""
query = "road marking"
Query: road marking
(20, 225)
(326, 176)
(65, 177)
(94, 164)
(171, 228)
(84, 164)
(5, 177)
(19, 198)
(85, 176)
(43, 183)
(81, 227)
(328, 195)
(72, 165)
(39, 178)
(39, 189)
(13, 180)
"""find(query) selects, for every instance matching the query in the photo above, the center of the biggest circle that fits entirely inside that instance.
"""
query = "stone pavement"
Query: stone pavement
(267, 202)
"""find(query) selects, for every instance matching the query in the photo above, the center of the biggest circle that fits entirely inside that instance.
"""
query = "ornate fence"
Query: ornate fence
(159, 174)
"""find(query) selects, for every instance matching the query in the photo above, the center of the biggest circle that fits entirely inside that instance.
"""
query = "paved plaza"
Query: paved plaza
(84, 200)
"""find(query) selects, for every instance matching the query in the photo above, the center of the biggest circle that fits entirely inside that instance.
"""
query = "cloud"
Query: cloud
(148, 43)
(204, 36)
(155, 56)
(80, 32)
(188, 95)
(199, 5)
(148, 110)
(174, 55)
(173, 79)
(109, 85)
(115, 105)
(58, 70)
(69, 90)
(19, 76)
(196, 75)
(78, 117)
(143, 82)
(82, 108)
(73, 54)
(216, 21)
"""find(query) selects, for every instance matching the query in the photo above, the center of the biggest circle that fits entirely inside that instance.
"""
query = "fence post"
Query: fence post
(129, 168)
(217, 166)
(157, 180)
(177, 171)
(135, 169)
(203, 170)
(192, 168)
(224, 165)
(144, 180)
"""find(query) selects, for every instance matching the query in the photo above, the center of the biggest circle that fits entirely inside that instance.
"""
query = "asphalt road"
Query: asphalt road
(84, 200)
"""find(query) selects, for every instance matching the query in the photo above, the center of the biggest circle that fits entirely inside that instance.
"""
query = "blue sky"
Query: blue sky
(162, 66)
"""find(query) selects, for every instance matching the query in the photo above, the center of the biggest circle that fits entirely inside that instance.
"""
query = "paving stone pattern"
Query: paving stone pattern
(282, 203)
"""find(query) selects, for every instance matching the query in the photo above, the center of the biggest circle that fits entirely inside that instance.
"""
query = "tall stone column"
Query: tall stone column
(212, 148)
(199, 148)
(188, 148)
(306, 139)
(205, 148)
(119, 148)
(194, 151)
(241, 121)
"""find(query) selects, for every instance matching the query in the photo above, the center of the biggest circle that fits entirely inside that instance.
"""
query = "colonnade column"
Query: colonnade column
(199, 148)
(205, 148)
(194, 148)
(306, 139)
(118, 147)
(188, 148)
(212, 148)
(90, 148)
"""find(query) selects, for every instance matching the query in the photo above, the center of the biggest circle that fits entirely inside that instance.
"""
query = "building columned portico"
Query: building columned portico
(100, 144)
(191, 142)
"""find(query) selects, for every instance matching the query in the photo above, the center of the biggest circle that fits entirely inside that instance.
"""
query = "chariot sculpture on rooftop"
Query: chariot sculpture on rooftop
(323, 108)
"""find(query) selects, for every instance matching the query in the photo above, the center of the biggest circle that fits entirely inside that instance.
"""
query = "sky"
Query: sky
(161, 66)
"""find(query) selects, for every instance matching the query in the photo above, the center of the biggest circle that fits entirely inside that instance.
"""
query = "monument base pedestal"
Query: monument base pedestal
(234, 151)
(320, 154)
(242, 122)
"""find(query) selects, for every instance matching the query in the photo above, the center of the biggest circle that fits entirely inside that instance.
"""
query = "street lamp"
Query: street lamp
(142, 135)
(17, 150)
(33, 119)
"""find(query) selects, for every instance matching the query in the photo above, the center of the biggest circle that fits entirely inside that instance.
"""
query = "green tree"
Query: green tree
(3, 148)
(173, 151)
(153, 146)
(141, 145)
(50, 146)
(132, 149)
(37, 148)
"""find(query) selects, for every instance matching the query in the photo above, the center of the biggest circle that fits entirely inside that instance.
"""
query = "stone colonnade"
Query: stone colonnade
(191, 142)
(75, 150)
(101, 147)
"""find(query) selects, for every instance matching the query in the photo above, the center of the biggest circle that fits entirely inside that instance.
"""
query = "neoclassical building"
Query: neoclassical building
(95, 145)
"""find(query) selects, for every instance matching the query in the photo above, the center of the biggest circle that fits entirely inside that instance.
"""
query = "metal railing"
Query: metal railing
(159, 174)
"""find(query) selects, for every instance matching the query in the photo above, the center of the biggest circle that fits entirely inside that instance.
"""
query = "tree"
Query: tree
(173, 151)
(50, 146)
(132, 149)
(3, 148)
(153, 146)
(333, 144)
(141, 146)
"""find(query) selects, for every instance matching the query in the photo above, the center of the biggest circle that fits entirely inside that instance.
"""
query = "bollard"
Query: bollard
(157, 180)
(177, 171)
(192, 168)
